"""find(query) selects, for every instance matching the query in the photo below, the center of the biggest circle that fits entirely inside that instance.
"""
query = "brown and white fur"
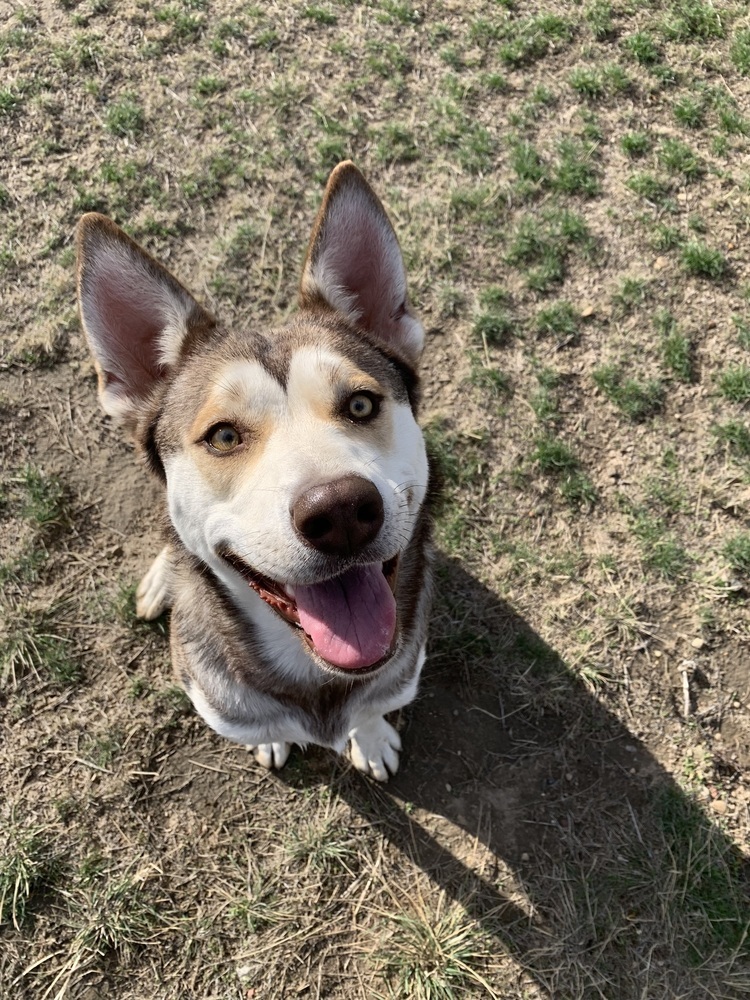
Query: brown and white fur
(296, 482)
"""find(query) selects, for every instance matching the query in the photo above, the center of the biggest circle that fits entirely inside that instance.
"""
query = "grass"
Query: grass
(703, 261)
(689, 111)
(637, 399)
(734, 383)
(678, 158)
(736, 551)
(630, 294)
(676, 348)
(643, 47)
(646, 185)
(740, 51)
(113, 914)
(736, 436)
(693, 20)
(535, 159)
(435, 956)
(661, 552)
(28, 868)
(575, 171)
(494, 328)
(542, 245)
(559, 320)
(636, 144)
(554, 458)
(743, 331)
(125, 118)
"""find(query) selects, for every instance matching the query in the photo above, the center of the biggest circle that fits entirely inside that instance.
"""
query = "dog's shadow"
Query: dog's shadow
(600, 875)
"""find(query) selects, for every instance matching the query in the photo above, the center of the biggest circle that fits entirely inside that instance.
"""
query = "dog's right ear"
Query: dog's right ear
(138, 319)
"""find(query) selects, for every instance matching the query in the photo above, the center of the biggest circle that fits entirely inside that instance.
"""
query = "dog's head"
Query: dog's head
(293, 462)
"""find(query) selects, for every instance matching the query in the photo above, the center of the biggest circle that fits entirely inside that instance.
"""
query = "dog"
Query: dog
(297, 563)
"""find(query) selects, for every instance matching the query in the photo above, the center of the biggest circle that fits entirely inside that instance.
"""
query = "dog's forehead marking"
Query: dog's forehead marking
(316, 372)
(238, 389)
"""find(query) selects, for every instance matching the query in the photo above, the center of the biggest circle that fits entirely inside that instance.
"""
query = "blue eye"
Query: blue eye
(223, 438)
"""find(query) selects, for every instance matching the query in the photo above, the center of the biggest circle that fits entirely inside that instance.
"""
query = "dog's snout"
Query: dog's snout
(341, 517)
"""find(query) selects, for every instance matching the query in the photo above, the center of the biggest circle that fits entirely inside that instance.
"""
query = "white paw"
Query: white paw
(272, 756)
(374, 749)
(152, 598)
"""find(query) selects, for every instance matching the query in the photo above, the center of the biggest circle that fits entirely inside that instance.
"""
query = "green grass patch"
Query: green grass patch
(678, 158)
(554, 458)
(743, 331)
(10, 101)
(125, 118)
(737, 553)
(703, 261)
(598, 17)
(491, 381)
(575, 171)
(637, 399)
(736, 436)
(740, 51)
(631, 293)
(643, 47)
(665, 237)
(435, 957)
(28, 867)
(596, 82)
(636, 144)
(689, 111)
(734, 383)
(660, 551)
(649, 187)
(527, 163)
(676, 349)
(559, 320)
(693, 20)
(494, 328)
(706, 870)
(32, 646)
(321, 15)
(529, 40)
(396, 144)
(542, 244)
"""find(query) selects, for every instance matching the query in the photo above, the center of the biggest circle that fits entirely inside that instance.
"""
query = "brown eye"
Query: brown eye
(362, 406)
(223, 438)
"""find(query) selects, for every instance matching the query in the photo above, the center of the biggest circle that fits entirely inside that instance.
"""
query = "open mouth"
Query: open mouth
(348, 621)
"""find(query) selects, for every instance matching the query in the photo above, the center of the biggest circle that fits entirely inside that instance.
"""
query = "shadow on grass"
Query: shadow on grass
(630, 890)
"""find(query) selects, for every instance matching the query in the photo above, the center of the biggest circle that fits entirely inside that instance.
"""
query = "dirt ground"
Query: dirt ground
(571, 188)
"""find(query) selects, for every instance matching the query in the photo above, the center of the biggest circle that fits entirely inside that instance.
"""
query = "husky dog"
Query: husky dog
(297, 563)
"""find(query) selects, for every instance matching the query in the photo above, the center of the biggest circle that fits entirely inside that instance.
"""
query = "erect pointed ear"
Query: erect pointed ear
(136, 316)
(354, 265)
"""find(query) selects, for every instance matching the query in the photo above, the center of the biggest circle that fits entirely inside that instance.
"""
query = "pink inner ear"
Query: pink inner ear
(130, 330)
(358, 263)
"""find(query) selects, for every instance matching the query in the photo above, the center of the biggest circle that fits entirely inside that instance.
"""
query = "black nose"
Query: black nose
(341, 517)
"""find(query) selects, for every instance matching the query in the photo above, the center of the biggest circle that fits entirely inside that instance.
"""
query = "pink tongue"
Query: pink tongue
(350, 619)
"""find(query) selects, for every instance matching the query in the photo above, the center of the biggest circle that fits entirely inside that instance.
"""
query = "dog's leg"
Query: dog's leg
(272, 756)
(374, 748)
(153, 597)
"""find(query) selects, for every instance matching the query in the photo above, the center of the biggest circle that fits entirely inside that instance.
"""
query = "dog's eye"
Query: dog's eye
(223, 438)
(362, 406)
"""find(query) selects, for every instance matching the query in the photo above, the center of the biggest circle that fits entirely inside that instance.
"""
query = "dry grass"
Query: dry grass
(572, 816)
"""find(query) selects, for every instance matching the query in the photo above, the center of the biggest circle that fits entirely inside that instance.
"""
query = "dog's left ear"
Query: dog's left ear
(354, 265)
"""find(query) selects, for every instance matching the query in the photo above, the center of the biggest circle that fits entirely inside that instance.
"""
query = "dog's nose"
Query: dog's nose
(341, 517)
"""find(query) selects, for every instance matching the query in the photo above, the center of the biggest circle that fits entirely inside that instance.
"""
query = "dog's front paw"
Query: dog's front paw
(374, 749)
(272, 756)
(152, 598)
